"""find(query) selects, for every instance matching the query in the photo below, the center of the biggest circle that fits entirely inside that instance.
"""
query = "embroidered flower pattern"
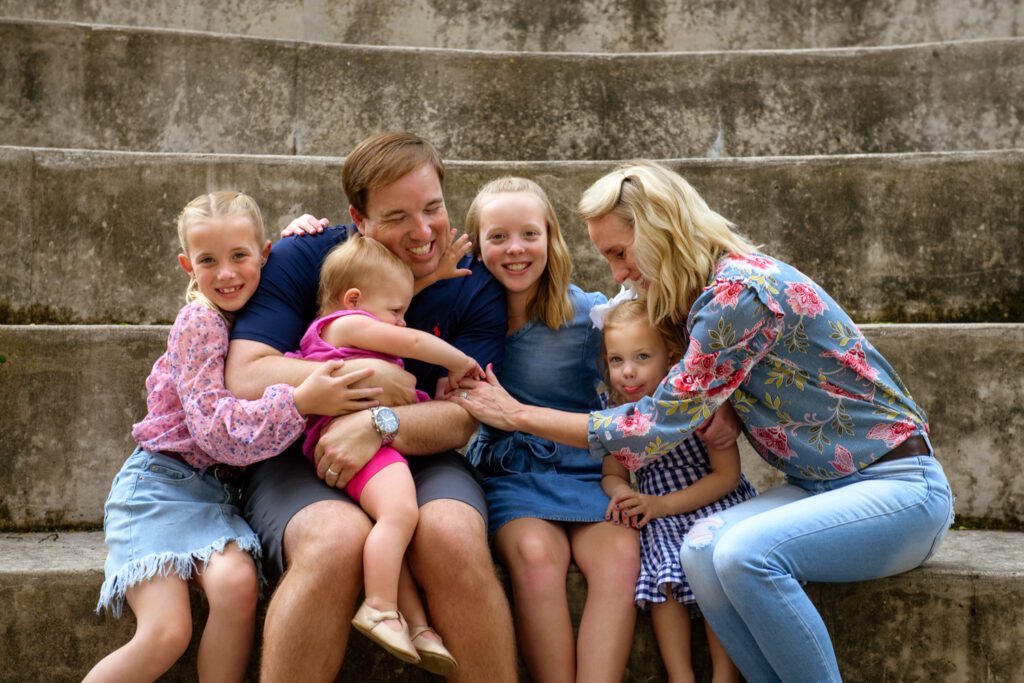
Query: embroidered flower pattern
(727, 294)
(811, 390)
(630, 460)
(842, 462)
(636, 424)
(892, 433)
(774, 439)
(855, 359)
(804, 300)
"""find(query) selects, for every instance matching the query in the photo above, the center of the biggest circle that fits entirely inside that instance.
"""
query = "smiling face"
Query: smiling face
(613, 237)
(225, 259)
(637, 357)
(514, 240)
(408, 217)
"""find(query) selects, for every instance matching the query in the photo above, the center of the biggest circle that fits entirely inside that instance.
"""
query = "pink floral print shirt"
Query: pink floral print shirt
(816, 399)
(192, 413)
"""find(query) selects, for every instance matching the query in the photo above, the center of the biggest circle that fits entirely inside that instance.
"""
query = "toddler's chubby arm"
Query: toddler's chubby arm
(448, 266)
(372, 335)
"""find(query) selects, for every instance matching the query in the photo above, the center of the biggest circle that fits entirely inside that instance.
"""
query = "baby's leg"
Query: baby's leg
(390, 499)
(671, 621)
(724, 668)
(231, 587)
(162, 633)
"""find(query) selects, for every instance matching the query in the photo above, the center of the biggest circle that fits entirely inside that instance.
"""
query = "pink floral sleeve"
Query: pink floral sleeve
(226, 428)
(731, 329)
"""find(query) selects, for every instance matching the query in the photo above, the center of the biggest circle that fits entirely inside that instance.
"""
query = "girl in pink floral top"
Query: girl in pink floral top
(172, 516)
(864, 495)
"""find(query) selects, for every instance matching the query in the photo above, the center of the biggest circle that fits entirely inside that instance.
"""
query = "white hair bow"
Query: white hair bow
(599, 312)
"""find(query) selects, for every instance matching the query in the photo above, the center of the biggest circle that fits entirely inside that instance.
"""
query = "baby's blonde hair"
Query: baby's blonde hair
(677, 239)
(632, 313)
(217, 205)
(359, 262)
(551, 305)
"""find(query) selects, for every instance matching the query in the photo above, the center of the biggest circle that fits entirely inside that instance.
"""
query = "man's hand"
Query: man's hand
(399, 386)
(345, 446)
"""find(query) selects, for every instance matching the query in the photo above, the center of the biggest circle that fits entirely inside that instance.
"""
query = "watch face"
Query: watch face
(386, 420)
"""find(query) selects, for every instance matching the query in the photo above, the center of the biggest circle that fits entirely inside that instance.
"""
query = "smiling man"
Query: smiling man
(312, 532)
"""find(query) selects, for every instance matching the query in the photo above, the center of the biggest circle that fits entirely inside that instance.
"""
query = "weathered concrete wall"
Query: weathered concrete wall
(914, 238)
(71, 394)
(959, 618)
(134, 89)
(543, 26)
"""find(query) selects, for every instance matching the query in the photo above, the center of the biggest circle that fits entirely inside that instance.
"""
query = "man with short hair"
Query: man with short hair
(310, 529)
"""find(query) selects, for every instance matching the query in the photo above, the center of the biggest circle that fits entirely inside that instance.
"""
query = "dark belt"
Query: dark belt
(915, 445)
(228, 474)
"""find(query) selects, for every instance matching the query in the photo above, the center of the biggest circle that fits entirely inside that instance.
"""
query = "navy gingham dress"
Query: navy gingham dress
(661, 573)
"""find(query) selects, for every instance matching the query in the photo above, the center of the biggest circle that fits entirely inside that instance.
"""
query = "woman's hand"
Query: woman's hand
(306, 224)
(488, 402)
(722, 430)
(633, 509)
(330, 390)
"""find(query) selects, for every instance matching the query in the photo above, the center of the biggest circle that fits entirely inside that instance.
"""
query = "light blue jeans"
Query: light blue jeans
(746, 564)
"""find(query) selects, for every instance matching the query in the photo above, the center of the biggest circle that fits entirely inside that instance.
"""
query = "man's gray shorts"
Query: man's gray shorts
(277, 488)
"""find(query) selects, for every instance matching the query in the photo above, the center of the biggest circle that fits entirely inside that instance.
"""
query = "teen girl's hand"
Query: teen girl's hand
(487, 401)
(306, 224)
(329, 391)
(722, 430)
(633, 509)
(448, 266)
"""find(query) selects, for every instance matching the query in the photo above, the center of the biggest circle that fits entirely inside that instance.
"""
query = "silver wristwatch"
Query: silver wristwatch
(385, 421)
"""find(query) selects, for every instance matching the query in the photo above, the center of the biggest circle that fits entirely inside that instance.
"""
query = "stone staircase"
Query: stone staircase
(878, 145)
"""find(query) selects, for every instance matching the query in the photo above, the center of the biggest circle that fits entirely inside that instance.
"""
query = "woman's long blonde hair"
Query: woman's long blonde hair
(677, 238)
(217, 205)
(551, 304)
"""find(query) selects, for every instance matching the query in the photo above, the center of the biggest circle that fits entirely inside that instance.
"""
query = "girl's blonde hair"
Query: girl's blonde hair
(635, 312)
(217, 205)
(551, 304)
(677, 239)
(357, 262)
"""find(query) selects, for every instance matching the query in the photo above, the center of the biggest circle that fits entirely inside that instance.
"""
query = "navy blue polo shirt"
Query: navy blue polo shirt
(468, 312)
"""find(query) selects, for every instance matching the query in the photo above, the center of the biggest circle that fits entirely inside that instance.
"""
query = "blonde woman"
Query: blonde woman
(864, 495)
(545, 502)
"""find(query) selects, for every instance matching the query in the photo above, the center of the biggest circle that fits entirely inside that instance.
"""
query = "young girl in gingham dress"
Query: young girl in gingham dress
(676, 494)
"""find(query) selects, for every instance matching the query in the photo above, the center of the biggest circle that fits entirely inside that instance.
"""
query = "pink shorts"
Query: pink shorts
(381, 459)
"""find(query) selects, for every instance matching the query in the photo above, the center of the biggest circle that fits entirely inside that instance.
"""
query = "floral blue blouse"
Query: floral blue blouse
(816, 399)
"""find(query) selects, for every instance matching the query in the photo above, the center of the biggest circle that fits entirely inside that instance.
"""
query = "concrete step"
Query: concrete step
(540, 26)
(69, 396)
(91, 238)
(72, 85)
(958, 618)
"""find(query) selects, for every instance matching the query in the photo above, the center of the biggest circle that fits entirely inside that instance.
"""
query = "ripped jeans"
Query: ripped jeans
(746, 565)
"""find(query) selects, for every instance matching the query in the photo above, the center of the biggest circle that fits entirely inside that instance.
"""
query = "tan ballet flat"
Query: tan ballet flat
(434, 656)
(370, 622)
